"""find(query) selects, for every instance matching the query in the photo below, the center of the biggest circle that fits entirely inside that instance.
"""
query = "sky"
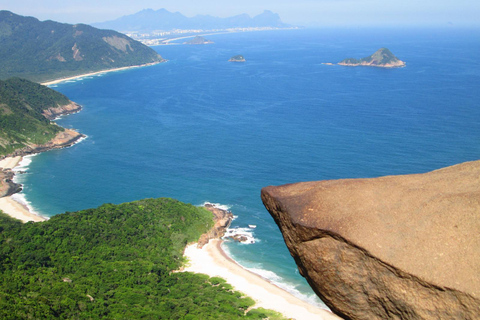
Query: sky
(309, 13)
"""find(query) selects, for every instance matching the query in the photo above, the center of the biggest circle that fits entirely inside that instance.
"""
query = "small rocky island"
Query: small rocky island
(383, 58)
(237, 58)
(199, 40)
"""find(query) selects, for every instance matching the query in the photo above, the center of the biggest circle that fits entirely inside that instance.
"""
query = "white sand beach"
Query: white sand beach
(11, 207)
(96, 73)
(213, 261)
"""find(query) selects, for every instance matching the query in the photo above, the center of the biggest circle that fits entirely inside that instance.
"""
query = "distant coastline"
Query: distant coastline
(48, 83)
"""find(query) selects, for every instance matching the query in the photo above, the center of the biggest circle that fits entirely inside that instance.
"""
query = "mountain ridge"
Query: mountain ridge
(47, 50)
(149, 20)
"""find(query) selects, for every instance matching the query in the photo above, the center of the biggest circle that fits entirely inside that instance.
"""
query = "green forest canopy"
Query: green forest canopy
(113, 262)
(21, 118)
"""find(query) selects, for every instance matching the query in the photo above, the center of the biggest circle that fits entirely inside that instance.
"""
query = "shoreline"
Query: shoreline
(48, 83)
(9, 205)
(213, 261)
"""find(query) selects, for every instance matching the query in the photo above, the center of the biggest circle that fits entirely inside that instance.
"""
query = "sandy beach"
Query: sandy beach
(11, 207)
(213, 261)
(96, 73)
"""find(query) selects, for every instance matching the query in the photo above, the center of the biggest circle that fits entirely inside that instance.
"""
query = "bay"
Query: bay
(201, 129)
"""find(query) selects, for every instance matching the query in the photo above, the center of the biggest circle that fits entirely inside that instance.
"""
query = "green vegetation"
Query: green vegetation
(113, 262)
(21, 118)
(380, 58)
(42, 51)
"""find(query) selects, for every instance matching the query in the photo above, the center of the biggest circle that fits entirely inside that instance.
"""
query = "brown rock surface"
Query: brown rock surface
(222, 219)
(53, 112)
(402, 247)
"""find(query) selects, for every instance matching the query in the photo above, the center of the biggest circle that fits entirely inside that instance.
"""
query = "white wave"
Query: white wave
(241, 232)
(225, 207)
(277, 280)
(23, 165)
(280, 282)
(20, 198)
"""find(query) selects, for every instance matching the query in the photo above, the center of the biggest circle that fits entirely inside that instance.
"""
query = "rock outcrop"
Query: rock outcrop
(63, 139)
(222, 219)
(54, 112)
(395, 247)
(7, 186)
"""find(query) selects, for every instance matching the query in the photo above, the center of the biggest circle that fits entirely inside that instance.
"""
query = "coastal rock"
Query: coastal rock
(63, 139)
(401, 247)
(7, 186)
(381, 58)
(222, 219)
(54, 112)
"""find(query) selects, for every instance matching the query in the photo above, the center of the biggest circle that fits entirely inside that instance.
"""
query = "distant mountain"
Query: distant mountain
(381, 58)
(149, 20)
(49, 50)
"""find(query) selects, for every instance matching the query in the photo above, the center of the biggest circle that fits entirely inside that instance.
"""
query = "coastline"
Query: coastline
(213, 261)
(8, 204)
(48, 83)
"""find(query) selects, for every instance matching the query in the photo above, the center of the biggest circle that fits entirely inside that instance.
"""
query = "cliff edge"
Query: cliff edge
(403, 247)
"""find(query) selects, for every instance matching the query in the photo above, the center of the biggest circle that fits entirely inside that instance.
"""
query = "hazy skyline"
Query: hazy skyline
(300, 12)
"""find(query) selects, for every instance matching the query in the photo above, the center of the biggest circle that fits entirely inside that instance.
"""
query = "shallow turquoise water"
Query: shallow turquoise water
(199, 128)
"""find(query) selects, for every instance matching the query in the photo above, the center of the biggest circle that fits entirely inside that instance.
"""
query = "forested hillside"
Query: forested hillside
(113, 262)
(47, 50)
(21, 120)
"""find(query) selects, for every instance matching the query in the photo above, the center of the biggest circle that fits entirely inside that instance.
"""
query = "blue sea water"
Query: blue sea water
(201, 129)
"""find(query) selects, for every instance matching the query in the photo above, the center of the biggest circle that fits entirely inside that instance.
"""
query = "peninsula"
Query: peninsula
(382, 58)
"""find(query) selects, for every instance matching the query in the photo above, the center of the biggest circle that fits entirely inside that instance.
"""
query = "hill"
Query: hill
(149, 20)
(47, 50)
(199, 40)
(25, 110)
(381, 58)
(112, 262)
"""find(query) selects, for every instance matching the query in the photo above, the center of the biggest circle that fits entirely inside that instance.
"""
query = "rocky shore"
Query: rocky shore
(55, 112)
(63, 139)
(403, 247)
(7, 186)
(222, 220)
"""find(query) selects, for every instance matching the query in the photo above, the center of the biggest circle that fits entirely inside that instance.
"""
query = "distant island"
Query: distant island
(237, 58)
(199, 40)
(45, 50)
(383, 58)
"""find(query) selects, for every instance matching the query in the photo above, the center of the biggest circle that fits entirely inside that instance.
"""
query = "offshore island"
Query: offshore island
(237, 58)
(382, 58)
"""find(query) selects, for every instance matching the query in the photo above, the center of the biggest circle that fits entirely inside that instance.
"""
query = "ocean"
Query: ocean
(201, 129)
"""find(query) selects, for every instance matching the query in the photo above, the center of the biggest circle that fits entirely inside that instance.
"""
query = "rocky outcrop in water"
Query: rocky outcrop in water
(396, 247)
(222, 219)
